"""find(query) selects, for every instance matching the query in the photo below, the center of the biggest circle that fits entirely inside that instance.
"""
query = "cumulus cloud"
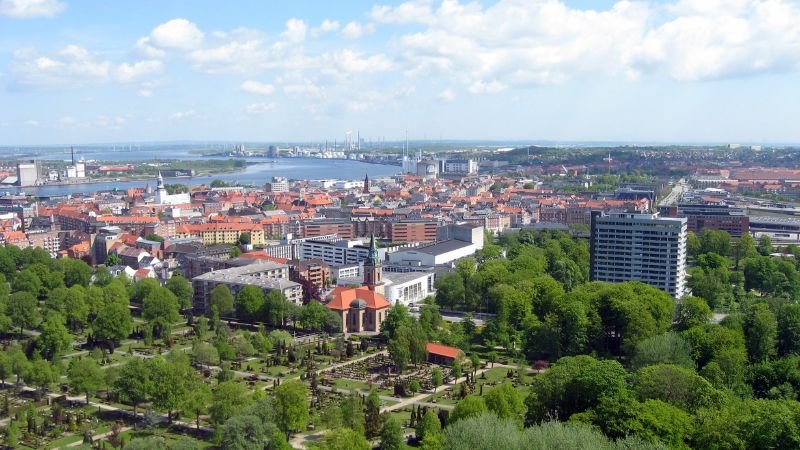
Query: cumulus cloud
(184, 115)
(255, 87)
(176, 34)
(355, 30)
(260, 108)
(296, 30)
(129, 73)
(327, 26)
(75, 66)
(27, 9)
(446, 95)
(518, 43)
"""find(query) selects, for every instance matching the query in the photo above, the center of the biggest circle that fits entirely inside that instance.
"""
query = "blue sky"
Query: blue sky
(75, 72)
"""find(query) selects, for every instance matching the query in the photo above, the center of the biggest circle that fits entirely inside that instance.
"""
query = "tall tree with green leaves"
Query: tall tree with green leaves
(85, 375)
(291, 406)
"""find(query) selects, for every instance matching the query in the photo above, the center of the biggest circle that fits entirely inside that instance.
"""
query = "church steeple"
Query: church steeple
(373, 268)
(366, 184)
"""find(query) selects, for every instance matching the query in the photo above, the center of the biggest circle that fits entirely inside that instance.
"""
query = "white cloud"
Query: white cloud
(446, 95)
(128, 73)
(183, 115)
(355, 30)
(302, 87)
(296, 31)
(483, 87)
(178, 34)
(260, 108)
(69, 67)
(327, 26)
(247, 56)
(518, 43)
(32, 123)
(75, 66)
(255, 87)
(26, 9)
(378, 99)
(355, 62)
(409, 12)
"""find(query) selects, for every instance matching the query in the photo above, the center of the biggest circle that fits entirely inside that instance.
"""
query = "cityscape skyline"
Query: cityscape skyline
(577, 71)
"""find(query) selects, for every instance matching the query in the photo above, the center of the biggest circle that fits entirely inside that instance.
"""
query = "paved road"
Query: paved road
(677, 192)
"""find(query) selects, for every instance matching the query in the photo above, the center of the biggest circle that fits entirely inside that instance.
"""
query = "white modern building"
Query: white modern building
(458, 167)
(404, 288)
(337, 252)
(162, 198)
(639, 247)
(278, 184)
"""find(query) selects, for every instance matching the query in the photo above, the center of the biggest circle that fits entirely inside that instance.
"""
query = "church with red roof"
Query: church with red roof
(362, 309)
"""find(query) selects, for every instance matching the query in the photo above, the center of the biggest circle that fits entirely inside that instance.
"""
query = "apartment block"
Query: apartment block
(639, 247)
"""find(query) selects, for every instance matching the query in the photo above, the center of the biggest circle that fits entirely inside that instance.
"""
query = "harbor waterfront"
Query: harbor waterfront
(255, 174)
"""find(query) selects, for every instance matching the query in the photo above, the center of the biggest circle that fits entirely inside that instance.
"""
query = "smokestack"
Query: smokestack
(72, 150)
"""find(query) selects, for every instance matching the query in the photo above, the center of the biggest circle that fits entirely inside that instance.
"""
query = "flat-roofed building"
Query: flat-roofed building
(267, 276)
(639, 247)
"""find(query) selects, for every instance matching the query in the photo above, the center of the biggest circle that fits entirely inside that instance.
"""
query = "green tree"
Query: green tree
(204, 354)
(221, 299)
(113, 260)
(76, 308)
(41, 374)
(161, 303)
(450, 291)
(153, 237)
(143, 288)
(182, 289)
(291, 405)
(372, 415)
(397, 317)
(76, 272)
(392, 434)
(228, 399)
(113, 323)
(343, 439)
(677, 386)
(249, 303)
(428, 426)
(244, 432)
(693, 311)
(789, 329)
(667, 348)
(400, 348)
(23, 310)
(134, 383)
(244, 238)
(314, 316)
(506, 403)
(198, 398)
(765, 245)
(760, 331)
(470, 406)
(54, 338)
(437, 378)
(572, 385)
(26, 281)
(235, 252)
(85, 375)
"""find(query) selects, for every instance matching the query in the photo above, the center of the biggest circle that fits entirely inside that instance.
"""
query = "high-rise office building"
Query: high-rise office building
(639, 247)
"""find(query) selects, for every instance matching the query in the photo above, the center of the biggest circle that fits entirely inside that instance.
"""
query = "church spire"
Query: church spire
(366, 184)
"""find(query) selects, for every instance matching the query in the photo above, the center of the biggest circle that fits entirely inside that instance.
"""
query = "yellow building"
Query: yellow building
(222, 233)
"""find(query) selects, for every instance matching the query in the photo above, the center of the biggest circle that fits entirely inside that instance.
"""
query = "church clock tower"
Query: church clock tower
(373, 269)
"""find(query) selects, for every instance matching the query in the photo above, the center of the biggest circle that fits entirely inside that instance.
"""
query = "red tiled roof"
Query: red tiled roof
(341, 297)
(442, 350)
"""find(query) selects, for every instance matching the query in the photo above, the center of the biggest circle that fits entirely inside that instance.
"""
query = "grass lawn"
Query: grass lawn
(350, 384)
